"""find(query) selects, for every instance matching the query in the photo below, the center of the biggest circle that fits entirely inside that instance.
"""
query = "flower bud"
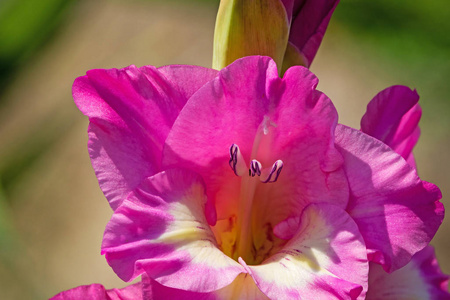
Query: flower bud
(245, 28)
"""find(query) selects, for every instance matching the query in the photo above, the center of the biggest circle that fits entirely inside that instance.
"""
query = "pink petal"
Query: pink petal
(396, 212)
(161, 229)
(309, 23)
(393, 117)
(131, 111)
(304, 141)
(98, 292)
(243, 287)
(421, 278)
(231, 110)
(325, 259)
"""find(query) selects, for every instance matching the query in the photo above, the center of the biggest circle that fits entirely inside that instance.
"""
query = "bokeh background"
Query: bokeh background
(52, 213)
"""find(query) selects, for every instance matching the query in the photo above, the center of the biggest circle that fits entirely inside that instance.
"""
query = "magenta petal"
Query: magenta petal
(131, 111)
(310, 20)
(98, 292)
(393, 117)
(289, 6)
(325, 259)
(229, 110)
(421, 278)
(161, 229)
(154, 290)
(304, 141)
(396, 212)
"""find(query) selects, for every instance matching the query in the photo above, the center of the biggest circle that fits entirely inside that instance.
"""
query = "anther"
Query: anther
(255, 168)
(236, 161)
(239, 167)
(271, 174)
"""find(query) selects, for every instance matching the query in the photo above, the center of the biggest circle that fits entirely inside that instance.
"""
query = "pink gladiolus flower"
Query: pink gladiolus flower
(239, 182)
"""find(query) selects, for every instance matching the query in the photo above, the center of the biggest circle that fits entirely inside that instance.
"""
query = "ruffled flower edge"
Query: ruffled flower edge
(421, 278)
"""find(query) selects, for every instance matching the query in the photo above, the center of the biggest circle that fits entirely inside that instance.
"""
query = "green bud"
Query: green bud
(243, 28)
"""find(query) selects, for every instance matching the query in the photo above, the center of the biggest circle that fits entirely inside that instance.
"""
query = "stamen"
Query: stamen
(236, 161)
(255, 168)
(271, 174)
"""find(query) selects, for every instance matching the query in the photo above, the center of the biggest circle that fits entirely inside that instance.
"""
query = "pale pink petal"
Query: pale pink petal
(310, 20)
(249, 105)
(161, 229)
(421, 278)
(131, 111)
(98, 292)
(243, 287)
(393, 117)
(326, 259)
(396, 212)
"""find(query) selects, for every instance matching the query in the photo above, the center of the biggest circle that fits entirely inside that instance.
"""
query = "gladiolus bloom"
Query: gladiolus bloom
(240, 182)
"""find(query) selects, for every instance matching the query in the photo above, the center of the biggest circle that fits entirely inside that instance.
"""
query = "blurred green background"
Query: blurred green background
(52, 213)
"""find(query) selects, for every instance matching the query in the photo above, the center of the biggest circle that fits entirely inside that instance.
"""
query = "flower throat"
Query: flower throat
(244, 245)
